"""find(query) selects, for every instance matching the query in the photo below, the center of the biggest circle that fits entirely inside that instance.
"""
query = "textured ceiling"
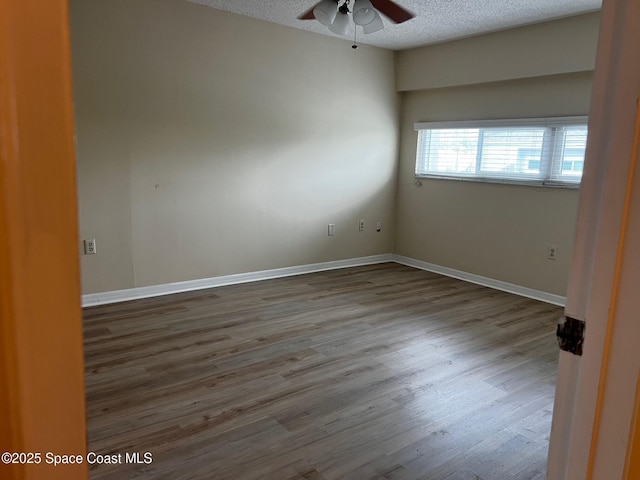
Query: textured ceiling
(436, 20)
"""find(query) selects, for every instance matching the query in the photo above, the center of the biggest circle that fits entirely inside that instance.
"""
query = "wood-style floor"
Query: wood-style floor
(380, 371)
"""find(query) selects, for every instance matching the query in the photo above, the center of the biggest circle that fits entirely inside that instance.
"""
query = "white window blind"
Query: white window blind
(541, 151)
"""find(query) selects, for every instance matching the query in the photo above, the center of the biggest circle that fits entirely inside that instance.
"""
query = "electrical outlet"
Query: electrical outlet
(361, 225)
(90, 247)
(552, 252)
(378, 226)
(331, 230)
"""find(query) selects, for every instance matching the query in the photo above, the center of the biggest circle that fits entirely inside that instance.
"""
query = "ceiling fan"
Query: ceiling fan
(335, 14)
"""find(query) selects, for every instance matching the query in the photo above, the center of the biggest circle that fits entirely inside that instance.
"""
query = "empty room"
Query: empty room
(351, 240)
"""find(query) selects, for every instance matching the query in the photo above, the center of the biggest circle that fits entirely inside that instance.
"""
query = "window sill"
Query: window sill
(503, 181)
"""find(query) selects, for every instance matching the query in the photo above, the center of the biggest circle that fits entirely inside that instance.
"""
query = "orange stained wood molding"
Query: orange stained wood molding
(632, 463)
(41, 365)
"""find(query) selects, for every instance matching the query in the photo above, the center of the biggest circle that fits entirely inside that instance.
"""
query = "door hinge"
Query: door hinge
(570, 334)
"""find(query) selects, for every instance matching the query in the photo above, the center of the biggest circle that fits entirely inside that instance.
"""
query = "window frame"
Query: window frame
(550, 166)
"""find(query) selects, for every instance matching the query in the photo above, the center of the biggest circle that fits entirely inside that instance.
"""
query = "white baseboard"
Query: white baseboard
(92, 299)
(115, 296)
(480, 280)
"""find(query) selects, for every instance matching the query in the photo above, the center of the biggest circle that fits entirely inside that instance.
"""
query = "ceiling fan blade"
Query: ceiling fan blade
(392, 10)
(308, 15)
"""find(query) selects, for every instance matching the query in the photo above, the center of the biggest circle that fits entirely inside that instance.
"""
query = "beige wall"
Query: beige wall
(211, 143)
(497, 231)
(551, 48)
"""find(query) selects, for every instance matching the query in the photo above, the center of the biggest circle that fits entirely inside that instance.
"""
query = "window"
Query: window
(540, 151)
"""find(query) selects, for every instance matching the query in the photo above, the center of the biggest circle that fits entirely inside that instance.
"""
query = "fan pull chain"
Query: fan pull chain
(355, 31)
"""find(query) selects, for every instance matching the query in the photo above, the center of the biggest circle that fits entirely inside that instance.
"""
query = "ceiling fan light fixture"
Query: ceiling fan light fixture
(336, 14)
(375, 25)
(326, 11)
(341, 24)
(363, 12)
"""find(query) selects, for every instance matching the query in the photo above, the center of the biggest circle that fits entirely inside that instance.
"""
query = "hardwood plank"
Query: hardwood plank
(382, 371)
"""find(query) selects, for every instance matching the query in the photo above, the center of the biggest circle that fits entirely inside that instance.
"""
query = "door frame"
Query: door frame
(595, 394)
(42, 406)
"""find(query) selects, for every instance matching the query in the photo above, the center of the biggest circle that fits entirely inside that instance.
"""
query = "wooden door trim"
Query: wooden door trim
(632, 460)
(622, 238)
(42, 405)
